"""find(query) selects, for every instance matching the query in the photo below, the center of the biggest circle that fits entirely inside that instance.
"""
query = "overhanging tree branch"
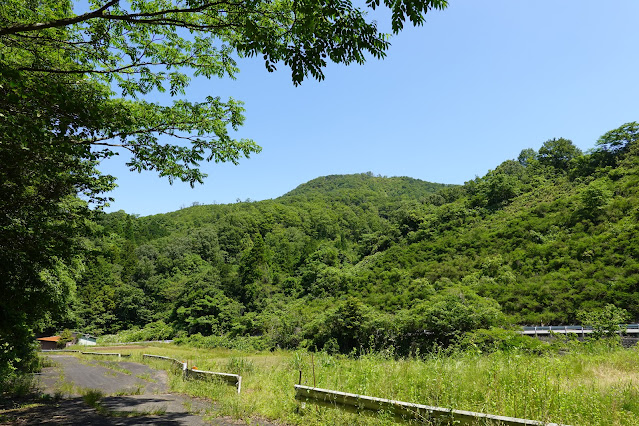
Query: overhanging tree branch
(161, 18)
(14, 29)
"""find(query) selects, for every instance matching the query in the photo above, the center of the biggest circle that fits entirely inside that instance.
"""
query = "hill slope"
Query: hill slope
(343, 187)
(356, 260)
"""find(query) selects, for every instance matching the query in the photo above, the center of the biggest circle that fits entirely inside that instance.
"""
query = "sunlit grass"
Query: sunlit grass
(590, 385)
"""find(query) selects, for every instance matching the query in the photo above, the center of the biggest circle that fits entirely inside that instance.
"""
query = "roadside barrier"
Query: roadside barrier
(355, 402)
(86, 353)
(232, 379)
(106, 353)
(181, 364)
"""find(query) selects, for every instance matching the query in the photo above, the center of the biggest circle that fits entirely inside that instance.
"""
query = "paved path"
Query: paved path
(134, 395)
(71, 375)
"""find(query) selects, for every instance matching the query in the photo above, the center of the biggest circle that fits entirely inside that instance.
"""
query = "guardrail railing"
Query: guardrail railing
(574, 329)
(233, 379)
(166, 358)
(119, 355)
(405, 409)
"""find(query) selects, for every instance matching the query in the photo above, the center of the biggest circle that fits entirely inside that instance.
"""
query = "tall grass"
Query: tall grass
(590, 385)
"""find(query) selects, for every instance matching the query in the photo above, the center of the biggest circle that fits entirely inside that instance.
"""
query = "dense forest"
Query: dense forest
(352, 261)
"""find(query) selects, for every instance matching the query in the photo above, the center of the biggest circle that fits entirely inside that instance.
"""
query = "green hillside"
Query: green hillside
(344, 262)
(341, 187)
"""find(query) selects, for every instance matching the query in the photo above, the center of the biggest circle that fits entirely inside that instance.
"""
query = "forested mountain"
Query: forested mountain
(348, 261)
(363, 186)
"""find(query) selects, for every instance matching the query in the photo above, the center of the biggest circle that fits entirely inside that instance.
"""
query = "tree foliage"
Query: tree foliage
(71, 95)
(605, 322)
(449, 315)
(558, 153)
(619, 140)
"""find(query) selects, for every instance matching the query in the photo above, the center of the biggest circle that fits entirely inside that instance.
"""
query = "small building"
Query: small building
(48, 343)
(53, 342)
(85, 340)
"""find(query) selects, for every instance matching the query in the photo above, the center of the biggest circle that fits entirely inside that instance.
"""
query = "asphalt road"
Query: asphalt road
(71, 375)
(134, 394)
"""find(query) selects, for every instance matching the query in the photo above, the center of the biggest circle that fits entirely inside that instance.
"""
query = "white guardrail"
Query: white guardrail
(119, 355)
(574, 329)
(233, 379)
(356, 402)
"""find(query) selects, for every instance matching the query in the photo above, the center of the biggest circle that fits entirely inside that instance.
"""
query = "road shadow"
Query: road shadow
(135, 395)
(74, 411)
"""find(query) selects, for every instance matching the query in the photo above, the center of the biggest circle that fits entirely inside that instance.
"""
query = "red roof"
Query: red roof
(49, 339)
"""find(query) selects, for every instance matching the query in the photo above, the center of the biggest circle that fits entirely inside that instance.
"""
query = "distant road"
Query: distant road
(574, 329)
(146, 342)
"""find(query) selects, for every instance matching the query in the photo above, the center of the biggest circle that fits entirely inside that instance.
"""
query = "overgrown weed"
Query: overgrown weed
(240, 366)
(564, 388)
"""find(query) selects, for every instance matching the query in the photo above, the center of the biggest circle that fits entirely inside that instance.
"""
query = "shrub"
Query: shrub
(351, 326)
(65, 337)
(245, 343)
(605, 322)
(157, 330)
(498, 339)
(446, 317)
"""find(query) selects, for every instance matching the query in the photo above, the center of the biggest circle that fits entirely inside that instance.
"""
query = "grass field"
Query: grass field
(589, 385)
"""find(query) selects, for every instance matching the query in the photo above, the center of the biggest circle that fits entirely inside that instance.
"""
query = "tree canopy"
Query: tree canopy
(73, 77)
(138, 47)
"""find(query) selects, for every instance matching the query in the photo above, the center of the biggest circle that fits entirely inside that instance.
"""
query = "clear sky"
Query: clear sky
(479, 82)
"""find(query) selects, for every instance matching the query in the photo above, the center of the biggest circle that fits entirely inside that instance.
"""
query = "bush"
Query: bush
(350, 327)
(157, 330)
(65, 337)
(15, 384)
(605, 322)
(245, 343)
(499, 339)
(16, 379)
(446, 317)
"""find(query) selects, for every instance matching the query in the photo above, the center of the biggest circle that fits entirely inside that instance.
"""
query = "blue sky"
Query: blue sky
(479, 82)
